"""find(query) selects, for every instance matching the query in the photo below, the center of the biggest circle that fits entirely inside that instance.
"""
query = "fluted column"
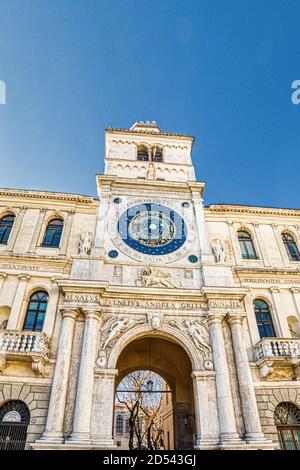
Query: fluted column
(228, 430)
(103, 408)
(253, 431)
(56, 411)
(14, 321)
(206, 425)
(85, 386)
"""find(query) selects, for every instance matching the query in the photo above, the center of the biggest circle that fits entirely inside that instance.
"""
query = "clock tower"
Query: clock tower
(150, 220)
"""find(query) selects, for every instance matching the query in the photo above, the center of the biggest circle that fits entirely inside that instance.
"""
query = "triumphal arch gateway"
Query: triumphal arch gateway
(147, 277)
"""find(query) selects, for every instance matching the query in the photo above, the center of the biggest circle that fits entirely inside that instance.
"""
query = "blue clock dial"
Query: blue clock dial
(152, 229)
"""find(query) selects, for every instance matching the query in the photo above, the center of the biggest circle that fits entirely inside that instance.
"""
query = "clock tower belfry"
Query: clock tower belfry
(145, 152)
(151, 211)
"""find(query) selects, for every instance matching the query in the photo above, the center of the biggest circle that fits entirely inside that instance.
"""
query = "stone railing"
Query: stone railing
(24, 343)
(276, 348)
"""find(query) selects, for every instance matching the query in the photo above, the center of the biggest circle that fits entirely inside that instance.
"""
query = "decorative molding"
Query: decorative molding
(23, 193)
(236, 209)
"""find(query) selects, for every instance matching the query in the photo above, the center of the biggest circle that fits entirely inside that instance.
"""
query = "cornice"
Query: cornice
(116, 130)
(275, 271)
(46, 195)
(169, 186)
(35, 260)
(233, 209)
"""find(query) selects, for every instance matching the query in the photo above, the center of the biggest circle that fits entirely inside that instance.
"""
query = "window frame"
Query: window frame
(36, 311)
(262, 323)
(119, 424)
(55, 230)
(244, 244)
(287, 243)
(4, 237)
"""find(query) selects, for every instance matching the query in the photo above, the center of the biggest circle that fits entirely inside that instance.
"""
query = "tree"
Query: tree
(140, 392)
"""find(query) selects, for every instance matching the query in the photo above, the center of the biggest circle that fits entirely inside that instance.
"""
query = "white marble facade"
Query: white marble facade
(104, 294)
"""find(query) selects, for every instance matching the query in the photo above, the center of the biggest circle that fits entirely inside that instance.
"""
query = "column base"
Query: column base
(79, 437)
(104, 443)
(207, 443)
(52, 437)
(230, 439)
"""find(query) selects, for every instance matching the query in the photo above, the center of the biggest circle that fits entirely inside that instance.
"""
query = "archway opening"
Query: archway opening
(287, 421)
(143, 412)
(164, 365)
(14, 420)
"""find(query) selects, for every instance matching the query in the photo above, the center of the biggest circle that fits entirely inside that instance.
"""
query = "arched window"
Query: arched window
(287, 421)
(6, 224)
(291, 247)
(14, 420)
(264, 319)
(53, 233)
(119, 424)
(143, 153)
(246, 245)
(36, 310)
(156, 153)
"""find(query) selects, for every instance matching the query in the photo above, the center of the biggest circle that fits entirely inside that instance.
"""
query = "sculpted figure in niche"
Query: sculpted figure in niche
(151, 173)
(85, 243)
(3, 325)
(219, 252)
(292, 324)
(152, 277)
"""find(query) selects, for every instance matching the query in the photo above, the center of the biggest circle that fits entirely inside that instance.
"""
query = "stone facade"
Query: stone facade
(192, 294)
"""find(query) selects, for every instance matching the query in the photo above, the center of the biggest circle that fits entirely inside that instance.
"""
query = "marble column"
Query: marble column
(54, 425)
(228, 430)
(85, 386)
(253, 431)
(14, 321)
(103, 408)
(207, 435)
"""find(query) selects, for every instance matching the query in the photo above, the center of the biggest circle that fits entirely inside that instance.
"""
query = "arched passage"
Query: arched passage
(14, 420)
(171, 362)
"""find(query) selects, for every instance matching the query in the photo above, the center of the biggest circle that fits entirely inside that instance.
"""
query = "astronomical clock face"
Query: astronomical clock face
(152, 229)
(149, 231)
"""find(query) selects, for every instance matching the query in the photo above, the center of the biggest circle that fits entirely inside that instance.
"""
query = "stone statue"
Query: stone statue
(85, 243)
(112, 330)
(197, 333)
(152, 277)
(151, 173)
(292, 324)
(155, 322)
(114, 326)
(219, 252)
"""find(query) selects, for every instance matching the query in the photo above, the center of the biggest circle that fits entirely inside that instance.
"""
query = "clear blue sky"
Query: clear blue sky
(220, 70)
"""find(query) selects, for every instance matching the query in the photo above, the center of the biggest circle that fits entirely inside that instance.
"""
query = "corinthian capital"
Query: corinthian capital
(236, 317)
(69, 312)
